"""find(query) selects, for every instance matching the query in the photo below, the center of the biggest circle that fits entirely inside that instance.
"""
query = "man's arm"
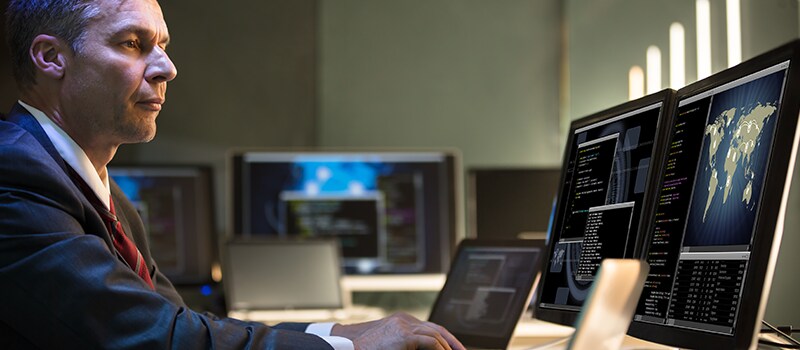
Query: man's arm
(64, 288)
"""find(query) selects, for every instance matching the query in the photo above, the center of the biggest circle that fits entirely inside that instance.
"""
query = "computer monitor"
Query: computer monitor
(719, 216)
(508, 203)
(604, 192)
(176, 206)
(394, 212)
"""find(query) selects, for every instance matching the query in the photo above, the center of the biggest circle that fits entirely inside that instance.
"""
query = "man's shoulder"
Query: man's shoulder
(20, 151)
(13, 134)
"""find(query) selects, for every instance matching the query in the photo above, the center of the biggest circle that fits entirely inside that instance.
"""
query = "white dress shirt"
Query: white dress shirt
(76, 158)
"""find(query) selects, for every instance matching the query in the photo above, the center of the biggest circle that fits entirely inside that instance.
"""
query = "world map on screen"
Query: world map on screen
(744, 129)
(737, 142)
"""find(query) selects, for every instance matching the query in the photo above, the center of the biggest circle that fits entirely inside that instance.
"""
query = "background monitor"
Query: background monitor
(176, 206)
(718, 222)
(604, 191)
(393, 211)
(506, 203)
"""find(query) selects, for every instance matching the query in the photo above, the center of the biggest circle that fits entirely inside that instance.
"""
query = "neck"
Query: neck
(99, 153)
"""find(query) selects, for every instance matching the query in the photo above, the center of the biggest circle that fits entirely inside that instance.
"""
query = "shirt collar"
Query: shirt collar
(73, 154)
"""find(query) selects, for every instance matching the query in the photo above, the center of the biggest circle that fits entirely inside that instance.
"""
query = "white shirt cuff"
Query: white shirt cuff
(323, 330)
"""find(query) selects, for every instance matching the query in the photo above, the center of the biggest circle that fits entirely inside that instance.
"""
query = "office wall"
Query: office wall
(607, 37)
(247, 72)
(481, 76)
(767, 24)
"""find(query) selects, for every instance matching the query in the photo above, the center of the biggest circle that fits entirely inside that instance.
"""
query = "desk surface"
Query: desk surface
(530, 334)
(547, 343)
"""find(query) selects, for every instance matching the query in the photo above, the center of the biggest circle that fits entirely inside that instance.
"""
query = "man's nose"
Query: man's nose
(160, 69)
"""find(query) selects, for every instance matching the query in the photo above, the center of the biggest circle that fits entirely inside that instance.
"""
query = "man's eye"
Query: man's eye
(132, 44)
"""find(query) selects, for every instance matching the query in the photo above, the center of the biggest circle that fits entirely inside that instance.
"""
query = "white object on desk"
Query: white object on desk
(393, 283)
(347, 315)
(609, 309)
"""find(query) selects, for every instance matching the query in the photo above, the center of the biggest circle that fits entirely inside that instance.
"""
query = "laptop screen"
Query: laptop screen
(487, 288)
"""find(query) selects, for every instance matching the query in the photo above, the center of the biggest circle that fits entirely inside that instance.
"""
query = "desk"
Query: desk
(630, 343)
(531, 333)
(528, 334)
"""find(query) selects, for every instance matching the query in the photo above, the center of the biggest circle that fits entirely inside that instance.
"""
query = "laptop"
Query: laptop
(275, 280)
(489, 285)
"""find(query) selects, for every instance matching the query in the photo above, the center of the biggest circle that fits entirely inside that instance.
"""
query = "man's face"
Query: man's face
(115, 84)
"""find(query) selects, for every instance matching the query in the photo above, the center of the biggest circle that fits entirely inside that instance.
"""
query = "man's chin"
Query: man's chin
(148, 137)
(142, 136)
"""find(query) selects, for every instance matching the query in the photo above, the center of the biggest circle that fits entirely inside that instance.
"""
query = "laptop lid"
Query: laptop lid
(487, 289)
(276, 274)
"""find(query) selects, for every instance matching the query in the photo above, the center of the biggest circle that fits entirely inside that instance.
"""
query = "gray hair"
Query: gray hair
(26, 19)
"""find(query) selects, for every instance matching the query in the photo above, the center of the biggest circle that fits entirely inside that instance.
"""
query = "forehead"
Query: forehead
(128, 15)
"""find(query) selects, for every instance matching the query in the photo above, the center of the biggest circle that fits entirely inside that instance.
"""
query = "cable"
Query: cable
(779, 345)
(781, 332)
(794, 343)
(784, 329)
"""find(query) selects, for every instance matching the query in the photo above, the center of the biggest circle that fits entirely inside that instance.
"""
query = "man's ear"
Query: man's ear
(49, 55)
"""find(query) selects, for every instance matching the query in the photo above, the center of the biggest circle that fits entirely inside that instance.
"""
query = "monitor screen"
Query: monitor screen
(393, 212)
(603, 195)
(717, 221)
(507, 203)
(176, 207)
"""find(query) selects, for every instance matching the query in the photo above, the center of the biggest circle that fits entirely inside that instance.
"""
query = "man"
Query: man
(92, 75)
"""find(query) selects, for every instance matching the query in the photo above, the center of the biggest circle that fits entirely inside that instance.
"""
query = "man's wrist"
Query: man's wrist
(351, 331)
(339, 331)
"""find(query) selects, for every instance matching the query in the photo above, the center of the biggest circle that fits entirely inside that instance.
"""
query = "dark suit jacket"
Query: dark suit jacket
(63, 286)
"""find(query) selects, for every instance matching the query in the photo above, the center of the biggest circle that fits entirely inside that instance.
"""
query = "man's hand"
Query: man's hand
(398, 331)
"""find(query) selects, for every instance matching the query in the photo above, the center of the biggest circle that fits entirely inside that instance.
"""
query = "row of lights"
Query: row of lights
(677, 56)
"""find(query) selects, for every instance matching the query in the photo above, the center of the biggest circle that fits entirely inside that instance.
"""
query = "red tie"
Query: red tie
(126, 248)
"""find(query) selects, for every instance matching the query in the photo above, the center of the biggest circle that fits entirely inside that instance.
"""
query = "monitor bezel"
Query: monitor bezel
(768, 228)
(455, 192)
(666, 97)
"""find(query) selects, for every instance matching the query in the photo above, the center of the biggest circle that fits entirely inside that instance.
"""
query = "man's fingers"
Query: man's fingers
(402, 330)
(448, 337)
(428, 343)
(446, 340)
(427, 330)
